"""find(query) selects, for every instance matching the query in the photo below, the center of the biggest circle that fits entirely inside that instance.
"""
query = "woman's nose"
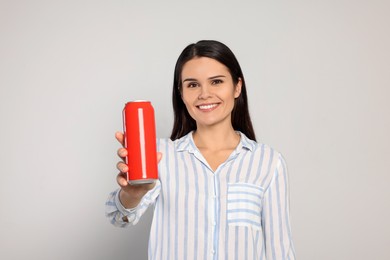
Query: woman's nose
(204, 92)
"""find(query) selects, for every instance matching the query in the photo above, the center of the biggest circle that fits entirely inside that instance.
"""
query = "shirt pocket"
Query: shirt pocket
(244, 205)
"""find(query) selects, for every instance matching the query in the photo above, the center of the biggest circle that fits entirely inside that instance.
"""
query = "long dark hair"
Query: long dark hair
(183, 122)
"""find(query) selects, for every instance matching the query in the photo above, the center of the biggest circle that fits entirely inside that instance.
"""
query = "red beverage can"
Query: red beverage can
(140, 141)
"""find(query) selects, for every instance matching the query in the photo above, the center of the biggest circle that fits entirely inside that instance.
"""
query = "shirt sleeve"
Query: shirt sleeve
(119, 216)
(275, 216)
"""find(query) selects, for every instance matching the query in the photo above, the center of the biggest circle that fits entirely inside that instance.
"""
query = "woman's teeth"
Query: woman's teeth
(207, 106)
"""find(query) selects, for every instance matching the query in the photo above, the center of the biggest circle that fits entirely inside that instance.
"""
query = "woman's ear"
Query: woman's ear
(237, 90)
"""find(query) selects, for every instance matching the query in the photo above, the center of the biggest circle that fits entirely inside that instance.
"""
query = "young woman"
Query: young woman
(220, 194)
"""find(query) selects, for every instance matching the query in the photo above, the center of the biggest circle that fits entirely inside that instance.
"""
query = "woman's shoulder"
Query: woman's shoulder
(261, 149)
(164, 141)
(178, 144)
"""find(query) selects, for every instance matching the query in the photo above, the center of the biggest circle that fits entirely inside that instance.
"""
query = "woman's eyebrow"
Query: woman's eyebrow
(218, 76)
(213, 77)
(189, 79)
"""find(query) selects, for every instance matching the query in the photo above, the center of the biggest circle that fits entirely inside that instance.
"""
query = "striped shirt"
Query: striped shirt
(239, 211)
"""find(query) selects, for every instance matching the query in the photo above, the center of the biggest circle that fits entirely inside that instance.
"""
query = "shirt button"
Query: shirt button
(212, 251)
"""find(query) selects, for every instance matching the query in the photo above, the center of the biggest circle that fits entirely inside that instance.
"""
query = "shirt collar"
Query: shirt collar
(186, 143)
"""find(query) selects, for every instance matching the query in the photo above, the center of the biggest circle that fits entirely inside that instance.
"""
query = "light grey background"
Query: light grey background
(318, 80)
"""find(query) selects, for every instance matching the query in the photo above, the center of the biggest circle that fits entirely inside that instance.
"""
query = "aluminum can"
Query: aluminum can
(140, 141)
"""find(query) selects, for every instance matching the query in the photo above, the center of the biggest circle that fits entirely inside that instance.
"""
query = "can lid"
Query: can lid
(137, 101)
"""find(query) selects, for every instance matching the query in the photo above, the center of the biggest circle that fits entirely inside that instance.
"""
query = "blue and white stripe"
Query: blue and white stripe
(240, 211)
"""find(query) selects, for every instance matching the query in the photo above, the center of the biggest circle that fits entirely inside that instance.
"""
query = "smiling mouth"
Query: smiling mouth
(207, 107)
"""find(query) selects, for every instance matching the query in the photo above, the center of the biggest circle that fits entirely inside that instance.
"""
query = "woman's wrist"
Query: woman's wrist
(130, 201)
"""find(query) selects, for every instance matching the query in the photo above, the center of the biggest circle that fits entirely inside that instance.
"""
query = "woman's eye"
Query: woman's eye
(192, 85)
(216, 82)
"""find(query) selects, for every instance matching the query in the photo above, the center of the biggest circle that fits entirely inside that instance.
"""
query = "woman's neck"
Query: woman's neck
(216, 138)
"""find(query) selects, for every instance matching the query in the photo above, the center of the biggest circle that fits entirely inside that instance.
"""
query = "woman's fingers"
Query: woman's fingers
(159, 156)
(122, 167)
(122, 153)
(121, 179)
(120, 137)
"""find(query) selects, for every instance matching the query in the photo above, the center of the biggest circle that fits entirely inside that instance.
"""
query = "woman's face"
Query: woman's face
(208, 91)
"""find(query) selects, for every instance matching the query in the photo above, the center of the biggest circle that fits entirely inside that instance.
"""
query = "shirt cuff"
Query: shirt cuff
(129, 213)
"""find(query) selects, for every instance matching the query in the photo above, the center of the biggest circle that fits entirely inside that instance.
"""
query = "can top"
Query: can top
(138, 100)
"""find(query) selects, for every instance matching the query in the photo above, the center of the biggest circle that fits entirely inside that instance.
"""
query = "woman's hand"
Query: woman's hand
(130, 195)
